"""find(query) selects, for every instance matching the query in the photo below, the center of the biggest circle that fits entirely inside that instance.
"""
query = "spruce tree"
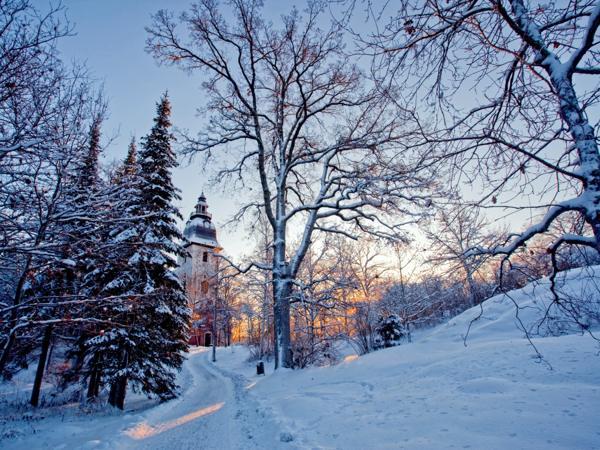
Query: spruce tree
(88, 197)
(72, 236)
(89, 170)
(146, 302)
(165, 310)
(129, 166)
(118, 285)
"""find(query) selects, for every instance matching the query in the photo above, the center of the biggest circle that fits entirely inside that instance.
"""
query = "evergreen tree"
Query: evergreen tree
(164, 309)
(129, 166)
(118, 283)
(145, 303)
(390, 330)
(89, 171)
(71, 230)
(88, 197)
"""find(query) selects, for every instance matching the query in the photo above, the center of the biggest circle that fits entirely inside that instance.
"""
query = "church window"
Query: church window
(205, 256)
(204, 287)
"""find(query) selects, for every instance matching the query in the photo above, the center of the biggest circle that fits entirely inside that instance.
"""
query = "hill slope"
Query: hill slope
(493, 393)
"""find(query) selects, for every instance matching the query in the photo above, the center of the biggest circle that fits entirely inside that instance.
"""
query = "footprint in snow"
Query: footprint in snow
(485, 386)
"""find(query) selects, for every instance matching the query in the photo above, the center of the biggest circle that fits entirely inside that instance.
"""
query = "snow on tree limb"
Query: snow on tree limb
(299, 121)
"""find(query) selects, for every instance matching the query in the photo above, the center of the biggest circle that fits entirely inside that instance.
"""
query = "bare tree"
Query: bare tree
(508, 88)
(359, 270)
(422, 303)
(316, 308)
(27, 79)
(295, 116)
(258, 297)
(455, 232)
(39, 207)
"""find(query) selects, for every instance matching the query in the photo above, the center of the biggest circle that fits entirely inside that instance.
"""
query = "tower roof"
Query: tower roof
(199, 229)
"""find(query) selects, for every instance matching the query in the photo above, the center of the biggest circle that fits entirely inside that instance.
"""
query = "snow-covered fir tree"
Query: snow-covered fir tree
(146, 302)
(390, 330)
(164, 336)
(129, 166)
(117, 283)
(88, 198)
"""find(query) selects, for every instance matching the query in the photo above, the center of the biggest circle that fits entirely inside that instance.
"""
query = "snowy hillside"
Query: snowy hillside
(537, 314)
(494, 393)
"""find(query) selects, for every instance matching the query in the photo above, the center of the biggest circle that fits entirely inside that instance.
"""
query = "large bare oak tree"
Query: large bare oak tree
(296, 117)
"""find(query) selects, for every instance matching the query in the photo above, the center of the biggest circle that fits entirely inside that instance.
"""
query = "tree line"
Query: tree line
(86, 259)
(372, 294)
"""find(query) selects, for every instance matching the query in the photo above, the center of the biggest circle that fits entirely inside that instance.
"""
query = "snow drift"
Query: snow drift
(494, 392)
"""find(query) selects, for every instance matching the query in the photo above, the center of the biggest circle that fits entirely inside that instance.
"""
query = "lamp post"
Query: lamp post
(214, 330)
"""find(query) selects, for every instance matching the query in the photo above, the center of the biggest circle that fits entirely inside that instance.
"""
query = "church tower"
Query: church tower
(198, 271)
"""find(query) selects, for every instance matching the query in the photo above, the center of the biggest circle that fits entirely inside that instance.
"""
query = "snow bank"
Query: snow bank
(494, 393)
(532, 310)
(437, 393)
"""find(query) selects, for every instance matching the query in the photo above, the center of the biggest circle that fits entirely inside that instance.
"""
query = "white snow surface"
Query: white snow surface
(437, 393)
(203, 241)
(214, 412)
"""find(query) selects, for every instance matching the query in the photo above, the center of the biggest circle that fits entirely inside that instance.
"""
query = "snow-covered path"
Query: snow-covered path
(215, 411)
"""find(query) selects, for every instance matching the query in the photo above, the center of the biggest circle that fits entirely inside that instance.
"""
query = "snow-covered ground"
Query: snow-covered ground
(214, 412)
(493, 393)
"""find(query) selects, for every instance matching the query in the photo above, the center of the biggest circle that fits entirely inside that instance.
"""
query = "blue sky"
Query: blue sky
(110, 39)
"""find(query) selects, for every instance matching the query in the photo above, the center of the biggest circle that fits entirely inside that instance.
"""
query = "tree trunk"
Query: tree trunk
(473, 292)
(283, 351)
(585, 141)
(39, 375)
(6, 351)
(264, 320)
(112, 395)
(118, 389)
(50, 353)
(94, 381)
(594, 222)
(214, 331)
(13, 315)
(80, 355)
(582, 133)
(121, 393)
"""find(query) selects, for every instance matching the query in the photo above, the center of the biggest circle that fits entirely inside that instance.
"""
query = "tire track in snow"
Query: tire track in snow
(215, 411)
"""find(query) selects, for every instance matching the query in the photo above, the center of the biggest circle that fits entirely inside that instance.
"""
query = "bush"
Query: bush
(389, 330)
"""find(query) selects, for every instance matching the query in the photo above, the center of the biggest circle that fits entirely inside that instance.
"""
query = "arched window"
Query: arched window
(204, 287)
(205, 257)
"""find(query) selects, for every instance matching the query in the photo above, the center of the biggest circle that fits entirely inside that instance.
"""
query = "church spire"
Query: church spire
(201, 209)
(199, 229)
